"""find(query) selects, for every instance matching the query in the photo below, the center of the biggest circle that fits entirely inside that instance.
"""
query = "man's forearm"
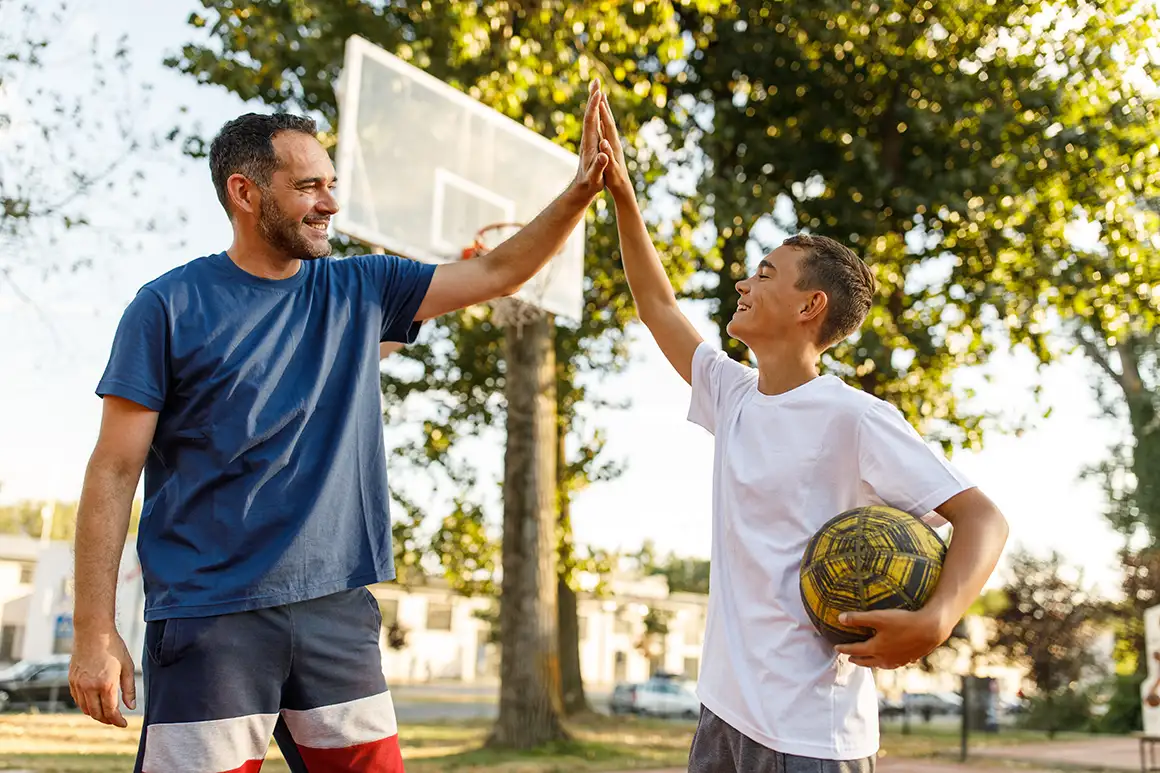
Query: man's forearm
(519, 258)
(102, 523)
(974, 552)
(650, 285)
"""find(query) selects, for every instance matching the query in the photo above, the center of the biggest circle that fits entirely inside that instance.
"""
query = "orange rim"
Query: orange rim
(477, 247)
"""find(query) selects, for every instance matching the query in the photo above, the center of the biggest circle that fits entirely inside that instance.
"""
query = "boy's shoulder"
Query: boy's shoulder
(838, 394)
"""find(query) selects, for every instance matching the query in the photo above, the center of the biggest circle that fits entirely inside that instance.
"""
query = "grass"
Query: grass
(944, 741)
(80, 745)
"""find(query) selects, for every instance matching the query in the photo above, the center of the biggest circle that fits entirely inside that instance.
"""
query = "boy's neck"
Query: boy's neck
(781, 368)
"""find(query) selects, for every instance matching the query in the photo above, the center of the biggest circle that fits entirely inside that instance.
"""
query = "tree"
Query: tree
(1127, 391)
(652, 642)
(684, 575)
(1050, 624)
(59, 152)
(955, 145)
(532, 64)
(26, 518)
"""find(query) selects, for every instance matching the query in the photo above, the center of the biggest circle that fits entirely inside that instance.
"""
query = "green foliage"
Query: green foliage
(1140, 586)
(67, 123)
(490, 617)
(656, 627)
(990, 603)
(656, 622)
(684, 575)
(397, 636)
(954, 145)
(1048, 623)
(1124, 713)
(1065, 710)
(24, 518)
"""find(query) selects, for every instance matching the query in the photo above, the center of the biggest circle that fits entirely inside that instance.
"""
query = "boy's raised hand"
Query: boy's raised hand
(593, 159)
(616, 178)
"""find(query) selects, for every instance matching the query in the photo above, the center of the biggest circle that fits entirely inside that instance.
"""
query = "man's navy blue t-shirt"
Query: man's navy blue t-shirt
(266, 482)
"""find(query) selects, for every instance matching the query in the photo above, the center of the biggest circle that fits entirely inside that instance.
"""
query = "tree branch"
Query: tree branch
(1098, 357)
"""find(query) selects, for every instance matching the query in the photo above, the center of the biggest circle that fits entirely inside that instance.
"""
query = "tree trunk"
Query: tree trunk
(529, 695)
(572, 681)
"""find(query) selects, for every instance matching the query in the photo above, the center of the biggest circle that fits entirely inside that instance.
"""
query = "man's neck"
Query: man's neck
(260, 259)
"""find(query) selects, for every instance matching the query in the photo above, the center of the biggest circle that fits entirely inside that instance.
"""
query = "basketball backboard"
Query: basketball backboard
(422, 167)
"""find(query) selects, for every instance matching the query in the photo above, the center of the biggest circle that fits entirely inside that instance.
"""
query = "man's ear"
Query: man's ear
(243, 194)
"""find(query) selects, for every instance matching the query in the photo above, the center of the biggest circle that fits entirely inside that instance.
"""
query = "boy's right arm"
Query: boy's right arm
(100, 660)
(656, 303)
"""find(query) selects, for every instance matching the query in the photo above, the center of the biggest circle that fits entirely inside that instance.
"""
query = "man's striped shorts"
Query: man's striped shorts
(309, 674)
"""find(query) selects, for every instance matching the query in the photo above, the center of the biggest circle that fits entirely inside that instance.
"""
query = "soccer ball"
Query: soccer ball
(866, 559)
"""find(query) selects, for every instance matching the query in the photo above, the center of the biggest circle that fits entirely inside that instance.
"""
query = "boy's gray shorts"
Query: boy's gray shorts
(718, 748)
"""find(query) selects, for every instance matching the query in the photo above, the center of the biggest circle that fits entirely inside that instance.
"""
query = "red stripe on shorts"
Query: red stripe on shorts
(374, 757)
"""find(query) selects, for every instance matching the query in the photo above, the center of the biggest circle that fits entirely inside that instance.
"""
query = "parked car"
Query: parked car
(888, 707)
(667, 698)
(39, 683)
(932, 703)
(623, 699)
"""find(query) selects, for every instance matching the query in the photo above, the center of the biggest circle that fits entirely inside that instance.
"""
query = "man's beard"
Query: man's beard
(285, 234)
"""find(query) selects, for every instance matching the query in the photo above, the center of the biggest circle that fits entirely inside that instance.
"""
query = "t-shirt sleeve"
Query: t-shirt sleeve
(902, 469)
(715, 378)
(403, 284)
(138, 367)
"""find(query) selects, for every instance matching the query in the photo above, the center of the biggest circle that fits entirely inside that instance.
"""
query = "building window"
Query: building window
(389, 608)
(695, 629)
(692, 668)
(583, 635)
(9, 639)
(623, 626)
(438, 616)
(62, 635)
(27, 570)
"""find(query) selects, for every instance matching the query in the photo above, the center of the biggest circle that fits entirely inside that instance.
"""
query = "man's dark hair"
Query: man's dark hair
(833, 268)
(245, 146)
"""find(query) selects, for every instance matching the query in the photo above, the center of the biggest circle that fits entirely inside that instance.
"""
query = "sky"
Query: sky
(55, 335)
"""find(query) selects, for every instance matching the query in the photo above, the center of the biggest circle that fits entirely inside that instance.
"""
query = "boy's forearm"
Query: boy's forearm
(650, 285)
(102, 525)
(974, 552)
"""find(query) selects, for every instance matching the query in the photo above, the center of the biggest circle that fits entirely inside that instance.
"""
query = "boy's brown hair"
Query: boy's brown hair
(833, 268)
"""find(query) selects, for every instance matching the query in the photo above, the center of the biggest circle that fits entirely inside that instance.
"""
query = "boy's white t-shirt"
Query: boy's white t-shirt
(783, 466)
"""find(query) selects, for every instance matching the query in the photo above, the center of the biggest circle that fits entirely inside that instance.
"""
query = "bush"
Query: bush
(1063, 711)
(1124, 714)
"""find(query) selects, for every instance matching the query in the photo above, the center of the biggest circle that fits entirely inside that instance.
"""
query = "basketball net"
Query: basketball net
(508, 312)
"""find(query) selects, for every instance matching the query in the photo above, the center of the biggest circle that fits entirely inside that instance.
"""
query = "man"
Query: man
(245, 384)
(794, 449)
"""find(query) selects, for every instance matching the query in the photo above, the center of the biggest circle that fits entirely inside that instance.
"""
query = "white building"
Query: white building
(49, 623)
(18, 559)
(447, 635)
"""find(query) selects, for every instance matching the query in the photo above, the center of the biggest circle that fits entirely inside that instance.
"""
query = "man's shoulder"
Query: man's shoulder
(177, 280)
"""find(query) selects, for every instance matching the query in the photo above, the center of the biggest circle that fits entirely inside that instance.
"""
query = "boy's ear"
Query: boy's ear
(815, 306)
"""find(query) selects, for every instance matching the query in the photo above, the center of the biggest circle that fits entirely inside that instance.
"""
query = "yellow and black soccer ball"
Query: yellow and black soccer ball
(866, 559)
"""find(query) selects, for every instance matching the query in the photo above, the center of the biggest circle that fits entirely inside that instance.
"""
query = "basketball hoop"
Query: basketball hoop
(508, 312)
